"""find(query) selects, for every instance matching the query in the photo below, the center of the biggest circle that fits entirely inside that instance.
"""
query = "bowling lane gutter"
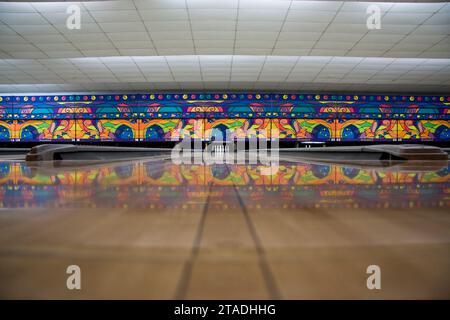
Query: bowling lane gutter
(269, 278)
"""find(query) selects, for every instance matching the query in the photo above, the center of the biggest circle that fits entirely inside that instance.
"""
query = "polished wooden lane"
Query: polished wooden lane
(152, 230)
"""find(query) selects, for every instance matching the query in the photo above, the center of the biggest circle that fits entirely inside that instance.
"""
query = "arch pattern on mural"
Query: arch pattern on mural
(6, 130)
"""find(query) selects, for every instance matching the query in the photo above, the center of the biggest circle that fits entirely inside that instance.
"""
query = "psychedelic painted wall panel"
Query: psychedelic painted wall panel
(159, 129)
(303, 129)
(303, 109)
(44, 130)
(72, 106)
(6, 130)
(28, 108)
(408, 130)
(238, 128)
(315, 129)
(152, 116)
(107, 130)
(6, 108)
(87, 130)
(365, 130)
(411, 130)
(438, 130)
(425, 130)
(170, 129)
(118, 130)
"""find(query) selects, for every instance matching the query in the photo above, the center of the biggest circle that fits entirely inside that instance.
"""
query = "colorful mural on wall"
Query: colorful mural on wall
(216, 129)
(172, 116)
(303, 129)
(170, 129)
(6, 130)
(424, 130)
(365, 130)
(44, 130)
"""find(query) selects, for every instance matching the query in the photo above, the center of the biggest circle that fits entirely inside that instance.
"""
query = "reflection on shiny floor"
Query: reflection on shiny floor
(156, 230)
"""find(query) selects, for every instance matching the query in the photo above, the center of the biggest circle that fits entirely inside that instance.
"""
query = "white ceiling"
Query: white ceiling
(202, 27)
(228, 72)
(225, 44)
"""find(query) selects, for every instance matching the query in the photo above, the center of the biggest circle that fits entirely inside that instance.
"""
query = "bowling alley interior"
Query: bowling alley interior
(224, 150)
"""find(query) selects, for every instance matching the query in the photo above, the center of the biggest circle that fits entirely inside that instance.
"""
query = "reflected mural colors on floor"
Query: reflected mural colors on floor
(296, 185)
(149, 229)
